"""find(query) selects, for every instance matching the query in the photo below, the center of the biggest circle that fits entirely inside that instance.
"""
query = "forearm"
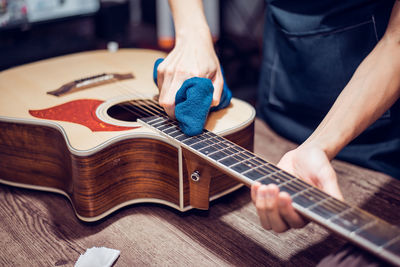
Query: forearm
(189, 19)
(374, 87)
(192, 56)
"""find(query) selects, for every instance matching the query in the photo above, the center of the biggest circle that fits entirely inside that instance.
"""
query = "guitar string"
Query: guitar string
(150, 109)
(290, 181)
(125, 90)
(156, 109)
(153, 108)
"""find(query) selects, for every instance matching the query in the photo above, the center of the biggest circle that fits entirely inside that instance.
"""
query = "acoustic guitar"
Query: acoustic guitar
(88, 126)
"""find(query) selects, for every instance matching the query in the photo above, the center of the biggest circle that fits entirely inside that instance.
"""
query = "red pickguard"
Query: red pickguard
(81, 111)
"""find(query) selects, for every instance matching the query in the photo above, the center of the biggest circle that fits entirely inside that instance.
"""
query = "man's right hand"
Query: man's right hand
(192, 56)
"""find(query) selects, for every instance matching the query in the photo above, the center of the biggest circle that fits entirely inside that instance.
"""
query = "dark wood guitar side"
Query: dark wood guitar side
(129, 171)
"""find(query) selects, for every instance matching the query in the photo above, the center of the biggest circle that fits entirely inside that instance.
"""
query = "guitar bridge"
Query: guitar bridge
(89, 82)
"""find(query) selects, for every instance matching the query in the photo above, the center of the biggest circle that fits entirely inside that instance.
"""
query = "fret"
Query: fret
(279, 178)
(247, 154)
(217, 146)
(253, 162)
(270, 178)
(241, 166)
(219, 155)
(327, 210)
(223, 143)
(208, 150)
(161, 119)
(256, 168)
(309, 198)
(174, 134)
(293, 187)
(261, 161)
(275, 177)
(255, 174)
(228, 144)
(378, 233)
(195, 139)
(223, 146)
(152, 120)
(161, 126)
(268, 167)
(170, 130)
(235, 148)
(158, 123)
(288, 188)
(200, 145)
(254, 165)
(192, 140)
(219, 152)
(352, 220)
(340, 204)
(237, 151)
(221, 139)
(212, 144)
(162, 123)
(230, 153)
(231, 160)
(208, 135)
(182, 137)
(203, 141)
(220, 145)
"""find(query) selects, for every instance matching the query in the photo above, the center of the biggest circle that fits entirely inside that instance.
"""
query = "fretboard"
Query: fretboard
(356, 225)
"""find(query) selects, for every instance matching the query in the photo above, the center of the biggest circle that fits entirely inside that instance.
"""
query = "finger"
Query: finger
(218, 83)
(287, 212)
(168, 103)
(170, 110)
(166, 100)
(172, 91)
(166, 70)
(160, 79)
(329, 183)
(160, 75)
(261, 206)
(272, 210)
(170, 95)
(254, 188)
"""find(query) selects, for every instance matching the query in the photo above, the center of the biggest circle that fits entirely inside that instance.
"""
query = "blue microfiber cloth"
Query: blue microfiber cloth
(193, 100)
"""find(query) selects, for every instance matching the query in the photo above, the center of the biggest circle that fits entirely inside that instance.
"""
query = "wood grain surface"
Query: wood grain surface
(40, 229)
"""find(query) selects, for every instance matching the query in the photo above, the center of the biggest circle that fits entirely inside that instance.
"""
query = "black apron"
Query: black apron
(311, 50)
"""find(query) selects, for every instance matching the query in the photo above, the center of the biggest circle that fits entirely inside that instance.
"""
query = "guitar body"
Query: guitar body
(86, 144)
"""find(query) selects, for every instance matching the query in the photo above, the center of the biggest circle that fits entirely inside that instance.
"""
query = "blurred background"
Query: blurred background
(32, 30)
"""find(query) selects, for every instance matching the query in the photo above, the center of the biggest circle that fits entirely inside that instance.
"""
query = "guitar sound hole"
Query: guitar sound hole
(130, 111)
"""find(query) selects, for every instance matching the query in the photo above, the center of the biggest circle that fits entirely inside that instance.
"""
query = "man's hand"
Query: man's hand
(275, 208)
(192, 56)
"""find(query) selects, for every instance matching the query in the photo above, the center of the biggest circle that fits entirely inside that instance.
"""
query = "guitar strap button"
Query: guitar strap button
(195, 176)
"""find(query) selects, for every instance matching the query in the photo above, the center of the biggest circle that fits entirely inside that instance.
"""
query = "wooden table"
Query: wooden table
(40, 229)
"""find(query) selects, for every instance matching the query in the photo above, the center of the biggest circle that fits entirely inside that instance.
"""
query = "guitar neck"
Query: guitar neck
(356, 225)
